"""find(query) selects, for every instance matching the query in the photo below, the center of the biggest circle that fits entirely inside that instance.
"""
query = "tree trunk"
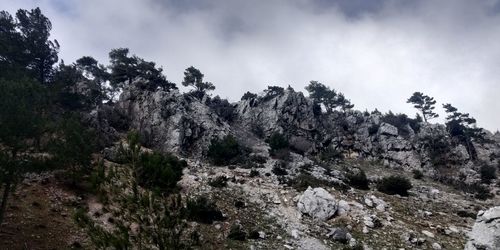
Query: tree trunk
(5, 196)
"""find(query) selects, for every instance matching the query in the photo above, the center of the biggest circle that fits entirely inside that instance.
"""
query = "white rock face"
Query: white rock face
(485, 234)
(388, 129)
(317, 203)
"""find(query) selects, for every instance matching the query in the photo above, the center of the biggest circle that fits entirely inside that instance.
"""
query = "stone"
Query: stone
(436, 246)
(343, 208)
(427, 233)
(339, 234)
(317, 203)
(485, 234)
(388, 129)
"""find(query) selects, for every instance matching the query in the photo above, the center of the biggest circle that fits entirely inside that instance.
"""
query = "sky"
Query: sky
(377, 52)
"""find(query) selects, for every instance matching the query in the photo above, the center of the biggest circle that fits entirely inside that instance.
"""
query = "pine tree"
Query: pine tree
(425, 104)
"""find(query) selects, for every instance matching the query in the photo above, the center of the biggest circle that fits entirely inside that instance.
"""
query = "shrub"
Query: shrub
(373, 129)
(401, 121)
(159, 172)
(417, 174)
(330, 154)
(358, 180)
(271, 92)
(222, 108)
(279, 169)
(278, 141)
(218, 182)
(488, 173)
(394, 185)
(303, 181)
(254, 173)
(259, 159)
(225, 151)
(236, 233)
(248, 95)
(203, 211)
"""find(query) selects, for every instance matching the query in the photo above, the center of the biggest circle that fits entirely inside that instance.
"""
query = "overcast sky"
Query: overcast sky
(377, 52)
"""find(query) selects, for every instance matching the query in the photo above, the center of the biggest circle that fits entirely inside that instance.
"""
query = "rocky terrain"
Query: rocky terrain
(311, 204)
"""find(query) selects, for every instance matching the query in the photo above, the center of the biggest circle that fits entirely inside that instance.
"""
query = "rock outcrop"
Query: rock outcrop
(170, 121)
(485, 234)
(317, 203)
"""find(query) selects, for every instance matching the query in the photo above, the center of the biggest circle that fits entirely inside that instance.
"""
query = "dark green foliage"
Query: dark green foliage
(401, 121)
(463, 127)
(358, 180)
(22, 123)
(75, 147)
(159, 172)
(278, 141)
(417, 174)
(279, 170)
(254, 173)
(125, 68)
(236, 233)
(394, 185)
(271, 92)
(322, 94)
(439, 150)
(248, 96)
(116, 239)
(373, 129)
(488, 173)
(259, 159)
(483, 193)
(466, 214)
(425, 104)
(219, 182)
(254, 235)
(331, 154)
(203, 211)
(194, 78)
(222, 108)
(225, 151)
(305, 180)
(25, 45)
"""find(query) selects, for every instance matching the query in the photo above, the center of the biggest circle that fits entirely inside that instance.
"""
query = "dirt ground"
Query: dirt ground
(38, 216)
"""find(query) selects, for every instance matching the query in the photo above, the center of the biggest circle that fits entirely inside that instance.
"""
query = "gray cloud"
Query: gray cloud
(376, 52)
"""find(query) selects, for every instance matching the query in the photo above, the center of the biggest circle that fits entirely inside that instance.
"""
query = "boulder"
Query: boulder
(388, 129)
(485, 234)
(339, 234)
(317, 203)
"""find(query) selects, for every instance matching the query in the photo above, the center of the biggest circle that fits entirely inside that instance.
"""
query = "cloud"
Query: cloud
(378, 53)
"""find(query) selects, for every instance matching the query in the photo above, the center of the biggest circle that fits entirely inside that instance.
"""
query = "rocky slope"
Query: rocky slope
(323, 212)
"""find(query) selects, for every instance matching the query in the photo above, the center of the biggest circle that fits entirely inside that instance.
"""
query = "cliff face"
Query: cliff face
(180, 123)
(170, 121)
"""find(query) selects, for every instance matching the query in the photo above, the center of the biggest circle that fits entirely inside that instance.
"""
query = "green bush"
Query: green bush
(159, 172)
(417, 174)
(218, 182)
(279, 169)
(236, 233)
(224, 152)
(358, 180)
(278, 141)
(373, 129)
(303, 181)
(202, 210)
(394, 185)
(488, 173)
(254, 173)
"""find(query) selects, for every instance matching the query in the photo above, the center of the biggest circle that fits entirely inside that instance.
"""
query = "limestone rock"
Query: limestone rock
(317, 203)
(485, 234)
